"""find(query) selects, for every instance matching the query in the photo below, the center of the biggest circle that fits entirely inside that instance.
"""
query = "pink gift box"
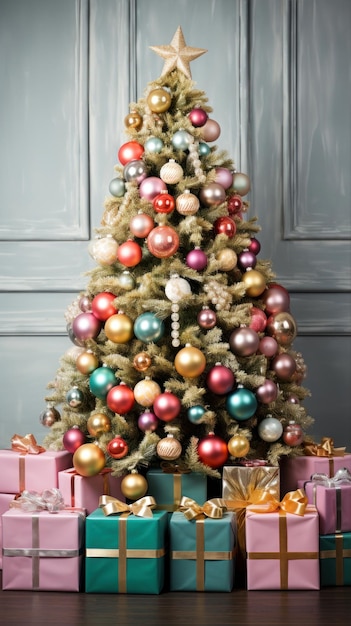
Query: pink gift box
(333, 504)
(35, 472)
(85, 492)
(5, 499)
(43, 551)
(282, 550)
(293, 469)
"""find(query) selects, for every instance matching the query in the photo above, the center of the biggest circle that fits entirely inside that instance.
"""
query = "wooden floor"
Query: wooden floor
(328, 607)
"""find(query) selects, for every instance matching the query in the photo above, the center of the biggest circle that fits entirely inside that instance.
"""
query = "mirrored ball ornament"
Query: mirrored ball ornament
(49, 416)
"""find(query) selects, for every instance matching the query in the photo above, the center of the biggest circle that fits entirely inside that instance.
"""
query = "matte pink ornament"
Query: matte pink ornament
(86, 326)
(72, 439)
(267, 392)
(141, 224)
(150, 187)
(167, 406)
(224, 177)
(244, 341)
(196, 259)
(276, 299)
(284, 365)
(211, 130)
(268, 346)
(247, 259)
(220, 379)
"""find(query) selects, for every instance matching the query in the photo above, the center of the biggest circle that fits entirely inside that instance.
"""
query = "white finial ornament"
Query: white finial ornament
(177, 54)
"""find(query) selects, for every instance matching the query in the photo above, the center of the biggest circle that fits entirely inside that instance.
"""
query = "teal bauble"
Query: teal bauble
(181, 140)
(101, 381)
(74, 397)
(241, 404)
(153, 145)
(148, 327)
(204, 148)
(195, 413)
(117, 187)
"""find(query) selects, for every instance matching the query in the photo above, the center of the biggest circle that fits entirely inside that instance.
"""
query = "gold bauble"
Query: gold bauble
(190, 362)
(142, 361)
(134, 486)
(145, 392)
(98, 424)
(238, 446)
(119, 328)
(87, 362)
(187, 203)
(159, 100)
(88, 459)
(282, 326)
(169, 448)
(227, 259)
(133, 120)
(255, 283)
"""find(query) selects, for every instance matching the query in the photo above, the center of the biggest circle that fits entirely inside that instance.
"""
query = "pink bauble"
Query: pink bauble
(141, 224)
(247, 259)
(220, 379)
(293, 434)
(84, 304)
(292, 399)
(244, 341)
(198, 117)
(255, 246)
(150, 187)
(130, 151)
(212, 194)
(276, 299)
(207, 319)
(102, 305)
(196, 259)
(167, 406)
(212, 451)
(258, 320)
(148, 421)
(163, 242)
(268, 346)
(72, 439)
(225, 226)
(211, 130)
(267, 392)
(86, 326)
(224, 177)
(120, 399)
(284, 365)
(129, 253)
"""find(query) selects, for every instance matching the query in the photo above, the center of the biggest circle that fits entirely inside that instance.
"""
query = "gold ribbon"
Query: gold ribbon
(142, 507)
(174, 468)
(211, 508)
(26, 444)
(294, 502)
(324, 448)
(339, 554)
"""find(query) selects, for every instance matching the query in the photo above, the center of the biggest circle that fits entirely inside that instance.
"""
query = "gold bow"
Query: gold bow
(178, 467)
(211, 508)
(25, 445)
(324, 448)
(294, 502)
(142, 507)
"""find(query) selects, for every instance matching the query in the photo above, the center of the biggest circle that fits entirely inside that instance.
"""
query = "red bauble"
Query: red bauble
(129, 253)
(102, 305)
(198, 117)
(163, 203)
(254, 246)
(234, 204)
(258, 320)
(225, 226)
(130, 151)
(220, 379)
(163, 242)
(276, 299)
(167, 406)
(293, 434)
(120, 399)
(117, 448)
(72, 439)
(213, 451)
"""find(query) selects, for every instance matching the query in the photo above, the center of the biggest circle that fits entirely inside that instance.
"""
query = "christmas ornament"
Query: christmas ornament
(102, 305)
(117, 187)
(276, 299)
(101, 381)
(141, 224)
(292, 399)
(163, 203)
(244, 341)
(254, 282)
(130, 151)
(134, 486)
(268, 392)
(268, 346)
(146, 391)
(212, 194)
(181, 140)
(241, 404)
(190, 362)
(120, 399)
(212, 451)
(234, 204)
(284, 365)
(142, 361)
(117, 448)
(196, 259)
(225, 226)
(86, 326)
(171, 173)
(293, 434)
(151, 187)
(104, 250)
(153, 145)
(238, 446)
(177, 54)
(207, 318)
(119, 328)
(167, 406)
(126, 281)
(169, 448)
(88, 459)
(247, 260)
(198, 117)
(163, 242)
(187, 203)
(147, 421)
(87, 362)
(224, 177)
(72, 439)
(282, 327)
(195, 413)
(211, 130)
(218, 295)
(204, 149)
(258, 320)
(74, 397)
(72, 336)
(220, 379)
(177, 288)
(270, 429)
(133, 120)
(159, 100)
(148, 327)
(255, 246)
(84, 304)
(227, 259)
(49, 416)
(98, 424)
(129, 253)
(135, 172)
(241, 183)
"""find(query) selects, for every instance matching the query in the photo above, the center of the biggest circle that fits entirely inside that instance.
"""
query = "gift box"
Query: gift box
(202, 552)
(31, 471)
(125, 553)
(282, 550)
(5, 499)
(43, 551)
(85, 491)
(335, 559)
(332, 499)
(168, 486)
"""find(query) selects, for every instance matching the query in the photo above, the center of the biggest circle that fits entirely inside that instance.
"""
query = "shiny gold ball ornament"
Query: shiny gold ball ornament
(88, 459)
(255, 283)
(142, 361)
(146, 391)
(98, 424)
(133, 120)
(187, 203)
(238, 446)
(87, 362)
(119, 328)
(190, 362)
(134, 486)
(171, 173)
(159, 100)
(169, 448)
(227, 259)
(282, 327)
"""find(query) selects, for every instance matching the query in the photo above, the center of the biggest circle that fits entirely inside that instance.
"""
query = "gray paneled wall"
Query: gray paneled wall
(277, 74)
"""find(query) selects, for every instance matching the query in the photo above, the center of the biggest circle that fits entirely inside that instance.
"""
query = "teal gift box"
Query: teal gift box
(335, 559)
(168, 487)
(125, 553)
(202, 553)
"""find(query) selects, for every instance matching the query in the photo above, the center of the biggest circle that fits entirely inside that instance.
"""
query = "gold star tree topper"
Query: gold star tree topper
(178, 54)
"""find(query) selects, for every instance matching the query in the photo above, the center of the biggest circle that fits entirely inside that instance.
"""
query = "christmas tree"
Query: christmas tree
(183, 338)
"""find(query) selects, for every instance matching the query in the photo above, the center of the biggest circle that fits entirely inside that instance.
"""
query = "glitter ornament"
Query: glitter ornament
(258, 320)
(177, 288)
(104, 250)
(227, 259)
